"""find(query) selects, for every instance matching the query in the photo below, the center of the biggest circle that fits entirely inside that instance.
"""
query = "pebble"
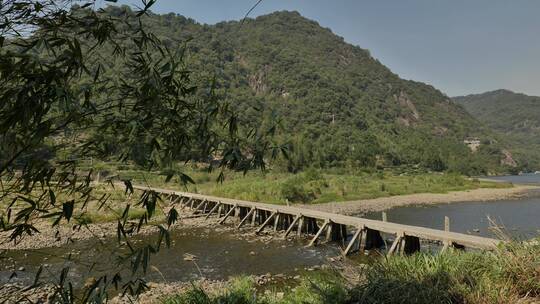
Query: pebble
(21, 268)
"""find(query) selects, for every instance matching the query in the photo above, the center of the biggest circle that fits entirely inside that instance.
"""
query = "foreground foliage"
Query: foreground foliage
(78, 82)
(508, 275)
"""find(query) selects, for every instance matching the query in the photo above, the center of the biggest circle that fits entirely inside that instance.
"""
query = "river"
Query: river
(520, 218)
(217, 255)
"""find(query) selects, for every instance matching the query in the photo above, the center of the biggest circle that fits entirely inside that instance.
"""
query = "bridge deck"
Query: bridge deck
(445, 237)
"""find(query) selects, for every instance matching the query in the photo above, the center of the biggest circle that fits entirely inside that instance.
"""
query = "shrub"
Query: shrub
(296, 193)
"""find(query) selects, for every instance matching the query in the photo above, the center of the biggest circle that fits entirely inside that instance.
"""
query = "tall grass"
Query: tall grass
(508, 275)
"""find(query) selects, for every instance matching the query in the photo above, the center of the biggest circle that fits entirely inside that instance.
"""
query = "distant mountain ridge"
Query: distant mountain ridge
(338, 105)
(515, 115)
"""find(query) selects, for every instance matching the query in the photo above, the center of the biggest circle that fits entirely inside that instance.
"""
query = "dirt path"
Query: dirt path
(384, 203)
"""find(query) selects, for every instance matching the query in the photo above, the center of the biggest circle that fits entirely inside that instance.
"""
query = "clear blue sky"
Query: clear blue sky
(458, 46)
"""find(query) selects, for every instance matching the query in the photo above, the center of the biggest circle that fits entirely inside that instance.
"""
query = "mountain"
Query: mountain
(515, 115)
(338, 105)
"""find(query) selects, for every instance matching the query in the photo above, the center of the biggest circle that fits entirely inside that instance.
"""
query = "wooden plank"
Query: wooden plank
(227, 215)
(219, 210)
(176, 199)
(216, 206)
(204, 208)
(254, 217)
(200, 205)
(266, 222)
(276, 221)
(395, 245)
(300, 226)
(187, 202)
(291, 226)
(245, 218)
(329, 232)
(314, 240)
(353, 241)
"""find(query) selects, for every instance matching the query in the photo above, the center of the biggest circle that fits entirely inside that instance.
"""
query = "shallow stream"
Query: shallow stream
(194, 253)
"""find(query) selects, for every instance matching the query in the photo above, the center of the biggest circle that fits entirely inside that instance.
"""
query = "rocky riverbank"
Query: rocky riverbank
(61, 235)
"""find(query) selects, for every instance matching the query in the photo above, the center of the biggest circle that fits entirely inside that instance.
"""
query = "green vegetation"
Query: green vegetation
(504, 276)
(515, 116)
(329, 103)
(509, 275)
(311, 186)
(315, 187)
(317, 288)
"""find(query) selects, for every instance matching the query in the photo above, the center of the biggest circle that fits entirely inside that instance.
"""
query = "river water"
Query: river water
(218, 255)
(520, 218)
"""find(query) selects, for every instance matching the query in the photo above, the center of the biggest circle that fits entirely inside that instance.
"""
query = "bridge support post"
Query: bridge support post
(339, 233)
(291, 226)
(254, 216)
(220, 209)
(216, 206)
(396, 245)
(316, 237)
(300, 225)
(356, 237)
(187, 203)
(411, 244)
(276, 221)
(313, 227)
(373, 239)
(245, 218)
(266, 222)
(199, 205)
(329, 232)
(231, 210)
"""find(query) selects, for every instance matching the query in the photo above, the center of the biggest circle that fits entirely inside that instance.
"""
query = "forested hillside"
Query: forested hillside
(336, 104)
(516, 116)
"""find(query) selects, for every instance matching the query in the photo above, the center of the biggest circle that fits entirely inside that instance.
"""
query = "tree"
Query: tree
(100, 78)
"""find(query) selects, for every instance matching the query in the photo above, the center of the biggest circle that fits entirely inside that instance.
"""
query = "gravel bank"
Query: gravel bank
(65, 234)
(359, 207)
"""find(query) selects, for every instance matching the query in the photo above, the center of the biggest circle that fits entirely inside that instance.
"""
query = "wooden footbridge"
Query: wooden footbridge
(322, 226)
